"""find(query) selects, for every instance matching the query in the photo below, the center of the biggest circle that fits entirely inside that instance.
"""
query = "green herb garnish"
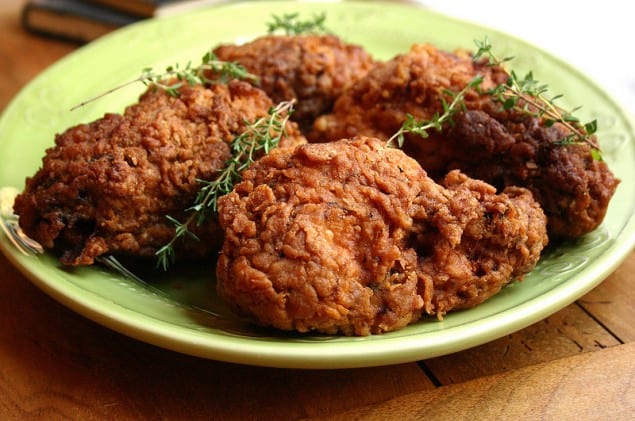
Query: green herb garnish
(210, 70)
(290, 24)
(530, 96)
(259, 137)
(421, 128)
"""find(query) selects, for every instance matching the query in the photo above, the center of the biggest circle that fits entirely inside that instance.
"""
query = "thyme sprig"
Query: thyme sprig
(290, 24)
(210, 70)
(530, 96)
(259, 137)
(422, 127)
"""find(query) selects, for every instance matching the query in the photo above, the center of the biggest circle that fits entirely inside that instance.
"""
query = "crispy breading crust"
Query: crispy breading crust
(107, 186)
(471, 241)
(312, 69)
(503, 148)
(352, 237)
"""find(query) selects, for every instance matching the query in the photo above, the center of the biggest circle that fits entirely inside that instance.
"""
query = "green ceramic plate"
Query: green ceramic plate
(181, 311)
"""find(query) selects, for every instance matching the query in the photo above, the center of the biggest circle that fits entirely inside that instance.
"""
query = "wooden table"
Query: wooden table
(55, 364)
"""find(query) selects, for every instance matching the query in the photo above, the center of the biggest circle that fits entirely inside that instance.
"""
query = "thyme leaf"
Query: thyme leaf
(530, 96)
(422, 127)
(290, 24)
(259, 137)
(210, 70)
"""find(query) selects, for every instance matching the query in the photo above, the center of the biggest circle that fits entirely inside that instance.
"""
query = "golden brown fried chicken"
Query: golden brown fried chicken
(107, 186)
(352, 237)
(312, 69)
(471, 241)
(315, 239)
(503, 148)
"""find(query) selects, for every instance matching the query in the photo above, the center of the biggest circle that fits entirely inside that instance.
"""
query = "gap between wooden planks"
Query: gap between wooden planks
(594, 385)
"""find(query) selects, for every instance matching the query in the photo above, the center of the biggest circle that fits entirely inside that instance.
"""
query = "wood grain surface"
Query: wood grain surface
(594, 385)
(56, 365)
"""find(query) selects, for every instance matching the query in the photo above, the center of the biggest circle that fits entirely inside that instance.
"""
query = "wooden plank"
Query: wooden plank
(54, 364)
(594, 385)
(568, 332)
(612, 302)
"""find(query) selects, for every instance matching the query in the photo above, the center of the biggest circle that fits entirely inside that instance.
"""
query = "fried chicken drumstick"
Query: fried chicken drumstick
(501, 147)
(107, 186)
(352, 237)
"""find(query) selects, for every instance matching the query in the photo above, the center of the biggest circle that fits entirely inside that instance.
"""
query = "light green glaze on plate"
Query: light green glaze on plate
(181, 311)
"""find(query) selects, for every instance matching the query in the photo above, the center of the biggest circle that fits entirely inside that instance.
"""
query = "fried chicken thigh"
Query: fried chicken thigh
(107, 186)
(503, 148)
(352, 237)
(312, 69)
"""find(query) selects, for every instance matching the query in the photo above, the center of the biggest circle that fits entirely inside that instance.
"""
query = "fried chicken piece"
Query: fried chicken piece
(312, 69)
(503, 148)
(471, 241)
(107, 186)
(341, 237)
(314, 239)
(573, 188)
